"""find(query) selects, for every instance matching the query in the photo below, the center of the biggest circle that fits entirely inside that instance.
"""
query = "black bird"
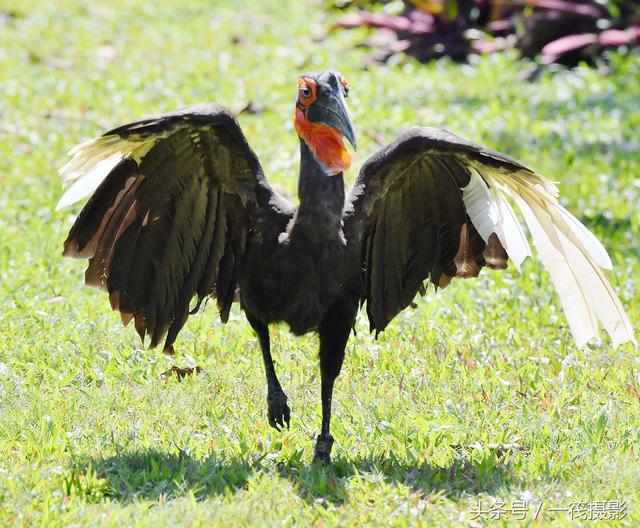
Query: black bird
(180, 208)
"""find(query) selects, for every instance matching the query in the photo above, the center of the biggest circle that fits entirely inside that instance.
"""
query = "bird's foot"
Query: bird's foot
(322, 452)
(181, 373)
(279, 412)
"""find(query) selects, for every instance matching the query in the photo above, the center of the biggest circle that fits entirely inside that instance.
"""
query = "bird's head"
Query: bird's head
(322, 120)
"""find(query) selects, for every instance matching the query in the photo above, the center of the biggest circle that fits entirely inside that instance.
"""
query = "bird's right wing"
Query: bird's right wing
(172, 200)
(433, 205)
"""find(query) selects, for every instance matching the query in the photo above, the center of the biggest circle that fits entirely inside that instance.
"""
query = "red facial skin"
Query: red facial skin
(324, 141)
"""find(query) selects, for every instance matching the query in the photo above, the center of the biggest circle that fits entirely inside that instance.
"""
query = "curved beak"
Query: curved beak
(331, 110)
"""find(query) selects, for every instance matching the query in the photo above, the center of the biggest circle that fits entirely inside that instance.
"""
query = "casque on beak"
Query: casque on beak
(331, 110)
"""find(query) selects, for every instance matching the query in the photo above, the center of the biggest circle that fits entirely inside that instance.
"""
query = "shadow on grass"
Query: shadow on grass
(153, 474)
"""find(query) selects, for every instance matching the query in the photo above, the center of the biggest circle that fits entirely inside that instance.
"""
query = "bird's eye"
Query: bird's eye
(305, 92)
(345, 86)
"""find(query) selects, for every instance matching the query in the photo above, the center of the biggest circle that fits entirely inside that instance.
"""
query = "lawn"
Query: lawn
(91, 435)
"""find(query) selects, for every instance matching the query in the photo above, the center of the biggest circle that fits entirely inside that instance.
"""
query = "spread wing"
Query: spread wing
(434, 206)
(172, 200)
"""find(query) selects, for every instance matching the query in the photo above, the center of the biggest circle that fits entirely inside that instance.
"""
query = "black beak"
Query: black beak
(331, 110)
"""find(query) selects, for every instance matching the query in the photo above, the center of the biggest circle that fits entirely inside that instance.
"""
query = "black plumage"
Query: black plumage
(185, 212)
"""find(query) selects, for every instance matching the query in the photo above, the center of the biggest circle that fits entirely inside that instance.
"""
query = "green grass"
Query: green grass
(91, 435)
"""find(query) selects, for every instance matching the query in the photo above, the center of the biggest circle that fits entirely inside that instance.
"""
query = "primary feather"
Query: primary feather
(93, 160)
(490, 213)
(571, 254)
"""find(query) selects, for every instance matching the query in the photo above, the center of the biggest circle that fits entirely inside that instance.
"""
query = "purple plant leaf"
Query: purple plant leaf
(419, 16)
(619, 37)
(497, 26)
(350, 21)
(381, 38)
(400, 45)
(559, 47)
(587, 10)
(489, 46)
(403, 24)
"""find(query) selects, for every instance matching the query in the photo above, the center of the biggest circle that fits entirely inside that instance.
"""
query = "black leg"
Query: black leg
(279, 412)
(334, 334)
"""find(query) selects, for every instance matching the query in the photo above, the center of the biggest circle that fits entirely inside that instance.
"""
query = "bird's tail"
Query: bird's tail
(568, 250)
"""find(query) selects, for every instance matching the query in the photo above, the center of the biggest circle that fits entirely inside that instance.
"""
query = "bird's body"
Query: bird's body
(296, 269)
(297, 283)
(180, 208)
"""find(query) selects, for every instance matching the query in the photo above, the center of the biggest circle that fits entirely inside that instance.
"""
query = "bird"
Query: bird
(179, 210)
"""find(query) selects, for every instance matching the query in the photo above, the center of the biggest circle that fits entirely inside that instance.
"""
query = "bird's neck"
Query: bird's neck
(321, 197)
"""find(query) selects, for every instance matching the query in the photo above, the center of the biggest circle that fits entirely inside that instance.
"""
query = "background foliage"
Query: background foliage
(90, 434)
(554, 31)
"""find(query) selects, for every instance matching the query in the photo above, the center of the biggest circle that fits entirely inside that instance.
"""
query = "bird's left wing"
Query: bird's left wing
(172, 200)
(434, 206)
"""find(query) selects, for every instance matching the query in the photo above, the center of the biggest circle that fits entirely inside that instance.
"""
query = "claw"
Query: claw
(322, 452)
(180, 373)
(279, 411)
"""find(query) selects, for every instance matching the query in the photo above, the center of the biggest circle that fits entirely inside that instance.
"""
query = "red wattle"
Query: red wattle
(325, 142)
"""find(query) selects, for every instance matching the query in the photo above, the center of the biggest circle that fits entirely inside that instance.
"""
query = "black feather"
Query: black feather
(96, 212)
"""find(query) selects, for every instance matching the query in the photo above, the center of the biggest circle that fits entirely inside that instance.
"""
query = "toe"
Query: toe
(181, 373)
(322, 451)
(273, 422)
(279, 412)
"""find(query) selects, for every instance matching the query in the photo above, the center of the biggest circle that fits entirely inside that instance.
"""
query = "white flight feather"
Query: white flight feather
(571, 253)
(607, 306)
(516, 246)
(544, 192)
(588, 240)
(88, 183)
(85, 155)
(595, 288)
(480, 205)
(93, 160)
(491, 213)
(575, 301)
